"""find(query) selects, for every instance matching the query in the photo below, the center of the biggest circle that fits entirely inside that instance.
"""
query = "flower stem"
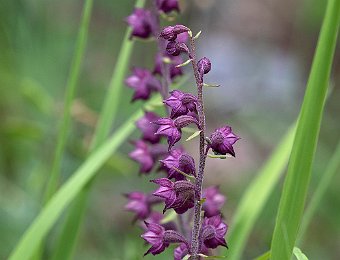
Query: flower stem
(203, 155)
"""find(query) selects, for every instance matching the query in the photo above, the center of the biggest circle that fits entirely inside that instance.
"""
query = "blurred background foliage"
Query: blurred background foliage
(261, 51)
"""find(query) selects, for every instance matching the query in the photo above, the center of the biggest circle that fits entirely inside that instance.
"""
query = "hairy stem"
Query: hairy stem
(203, 155)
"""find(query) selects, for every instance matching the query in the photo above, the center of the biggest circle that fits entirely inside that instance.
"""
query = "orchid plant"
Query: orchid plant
(203, 229)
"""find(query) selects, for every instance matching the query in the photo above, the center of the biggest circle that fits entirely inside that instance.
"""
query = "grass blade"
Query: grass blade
(257, 195)
(62, 198)
(319, 192)
(69, 97)
(111, 103)
(67, 240)
(297, 180)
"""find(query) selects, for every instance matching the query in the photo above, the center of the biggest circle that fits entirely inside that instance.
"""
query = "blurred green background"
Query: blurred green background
(261, 51)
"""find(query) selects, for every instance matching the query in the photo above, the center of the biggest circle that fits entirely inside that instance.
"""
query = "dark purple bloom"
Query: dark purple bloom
(146, 155)
(180, 160)
(148, 129)
(178, 195)
(141, 22)
(174, 61)
(167, 6)
(170, 32)
(204, 66)
(214, 231)
(169, 129)
(159, 238)
(138, 203)
(214, 201)
(172, 128)
(175, 48)
(222, 141)
(181, 103)
(154, 236)
(143, 82)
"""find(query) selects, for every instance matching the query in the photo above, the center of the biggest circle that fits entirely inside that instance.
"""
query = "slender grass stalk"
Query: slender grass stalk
(299, 169)
(257, 195)
(319, 192)
(67, 240)
(111, 103)
(69, 97)
(71, 88)
(63, 197)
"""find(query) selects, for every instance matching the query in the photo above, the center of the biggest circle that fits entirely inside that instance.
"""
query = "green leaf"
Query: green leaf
(299, 169)
(111, 103)
(62, 198)
(69, 97)
(265, 256)
(299, 255)
(211, 85)
(257, 194)
(320, 191)
(193, 135)
(67, 240)
(184, 63)
(197, 35)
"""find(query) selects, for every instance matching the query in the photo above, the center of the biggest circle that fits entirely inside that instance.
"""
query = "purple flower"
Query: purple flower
(180, 160)
(138, 203)
(143, 82)
(222, 141)
(204, 66)
(175, 48)
(154, 236)
(181, 103)
(170, 32)
(172, 128)
(142, 23)
(213, 232)
(148, 129)
(146, 155)
(167, 6)
(181, 251)
(159, 238)
(169, 129)
(175, 60)
(178, 195)
(214, 201)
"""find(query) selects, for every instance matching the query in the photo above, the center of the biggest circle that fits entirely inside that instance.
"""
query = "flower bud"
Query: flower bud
(185, 120)
(222, 141)
(170, 32)
(204, 66)
(167, 6)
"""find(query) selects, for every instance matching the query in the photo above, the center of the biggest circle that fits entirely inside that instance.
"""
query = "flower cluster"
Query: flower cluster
(181, 187)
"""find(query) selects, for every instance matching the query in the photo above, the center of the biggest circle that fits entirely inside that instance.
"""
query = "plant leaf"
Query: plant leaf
(193, 135)
(62, 198)
(319, 192)
(299, 255)
(257, 194)
(299, 169)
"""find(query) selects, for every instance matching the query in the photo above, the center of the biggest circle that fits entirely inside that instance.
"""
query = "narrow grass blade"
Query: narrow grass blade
(62, 198)
(320, 191)
(67, 240)
(297, 180)
(111, 103)
(257, 195)
(69, 97)
(74, 218)
(265, 256)
(298, 254)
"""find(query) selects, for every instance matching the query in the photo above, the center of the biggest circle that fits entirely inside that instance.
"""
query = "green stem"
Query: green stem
(111, 103)
(320, 191)
(107, 117)
(299, 169)
(69, 97)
